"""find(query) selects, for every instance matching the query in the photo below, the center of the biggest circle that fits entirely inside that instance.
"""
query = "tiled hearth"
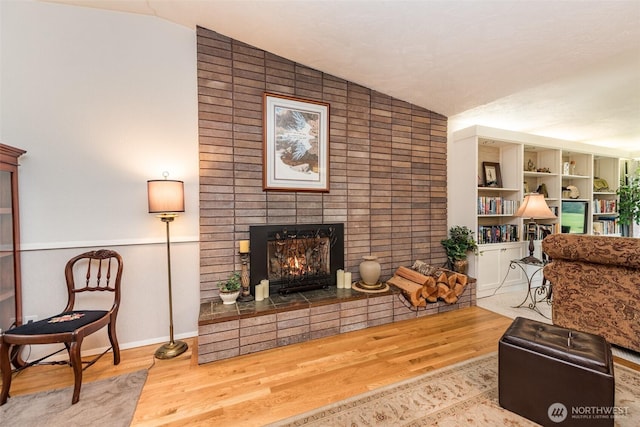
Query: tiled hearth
(231, 330)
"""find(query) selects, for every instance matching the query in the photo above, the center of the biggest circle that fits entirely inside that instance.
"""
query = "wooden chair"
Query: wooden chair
(91, 272)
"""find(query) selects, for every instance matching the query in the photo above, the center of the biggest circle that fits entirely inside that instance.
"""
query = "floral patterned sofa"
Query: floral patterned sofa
(596, 285)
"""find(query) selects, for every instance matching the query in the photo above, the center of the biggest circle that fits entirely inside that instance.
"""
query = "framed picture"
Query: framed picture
(296, 144)
(492, 177)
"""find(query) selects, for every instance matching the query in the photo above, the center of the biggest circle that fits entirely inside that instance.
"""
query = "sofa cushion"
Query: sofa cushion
(607, 250)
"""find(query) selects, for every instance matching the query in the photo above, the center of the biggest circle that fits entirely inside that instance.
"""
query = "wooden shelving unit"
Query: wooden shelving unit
(10, 285)
(528, 163)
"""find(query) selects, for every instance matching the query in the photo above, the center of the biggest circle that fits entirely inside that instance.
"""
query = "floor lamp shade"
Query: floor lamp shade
(165, 196)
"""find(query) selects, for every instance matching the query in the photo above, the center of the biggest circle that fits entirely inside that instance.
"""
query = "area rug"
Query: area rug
(462, 394)
(109, 402)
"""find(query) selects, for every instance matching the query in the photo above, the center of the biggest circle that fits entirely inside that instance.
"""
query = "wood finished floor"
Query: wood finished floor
(260, 388)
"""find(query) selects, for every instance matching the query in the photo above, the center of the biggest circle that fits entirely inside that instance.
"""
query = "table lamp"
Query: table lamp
(534, 207)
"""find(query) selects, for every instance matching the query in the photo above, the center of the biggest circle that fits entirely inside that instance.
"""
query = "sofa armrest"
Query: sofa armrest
(608, 250)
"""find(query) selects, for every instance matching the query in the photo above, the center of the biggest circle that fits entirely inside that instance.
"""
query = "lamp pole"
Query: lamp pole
(172, 348)
(167, 220)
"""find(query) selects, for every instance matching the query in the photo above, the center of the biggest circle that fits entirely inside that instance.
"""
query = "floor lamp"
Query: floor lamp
(166, 198)
(534, 207)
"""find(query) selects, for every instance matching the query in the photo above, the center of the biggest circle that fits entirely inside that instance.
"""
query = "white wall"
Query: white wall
(102, 101)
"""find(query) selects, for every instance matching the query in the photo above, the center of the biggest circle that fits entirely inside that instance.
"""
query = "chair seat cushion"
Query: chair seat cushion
(60, 323)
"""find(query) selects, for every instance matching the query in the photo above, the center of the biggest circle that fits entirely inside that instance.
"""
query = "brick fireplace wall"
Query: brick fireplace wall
(387, 163)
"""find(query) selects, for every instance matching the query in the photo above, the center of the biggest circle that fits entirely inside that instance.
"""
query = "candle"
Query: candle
(340, 279)
(347, 280)
(244, 246)
(259, 294)
(265, 288)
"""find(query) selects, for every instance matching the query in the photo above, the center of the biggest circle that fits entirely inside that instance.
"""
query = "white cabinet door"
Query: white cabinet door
(493, 268)
(488, 270)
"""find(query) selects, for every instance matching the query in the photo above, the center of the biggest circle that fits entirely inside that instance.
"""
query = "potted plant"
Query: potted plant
(629, 204)
(230, 289)
(457, 246)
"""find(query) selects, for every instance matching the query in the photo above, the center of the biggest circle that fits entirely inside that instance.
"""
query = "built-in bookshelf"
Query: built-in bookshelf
(605, 206)
(606, 226)
(498, 234)
(606, 180)
(565, 172)
(492, 205)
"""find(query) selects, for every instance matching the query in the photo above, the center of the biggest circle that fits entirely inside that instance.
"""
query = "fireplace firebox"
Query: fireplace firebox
(296, 258)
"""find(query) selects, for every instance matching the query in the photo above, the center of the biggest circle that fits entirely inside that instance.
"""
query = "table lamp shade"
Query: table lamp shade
(165, 196)
(534, 206)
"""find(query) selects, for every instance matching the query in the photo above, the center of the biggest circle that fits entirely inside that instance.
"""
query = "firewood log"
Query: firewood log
(450, 297)
(443, 289)
(459, 289)
(429, 288)
(412, 275)
(453, 279)
(462, 279)
(411, 289)
(433, 296)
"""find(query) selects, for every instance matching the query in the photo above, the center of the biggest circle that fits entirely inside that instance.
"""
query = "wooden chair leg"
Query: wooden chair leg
(76, 365)
(5, 367)
(114, 342)
(15, 356)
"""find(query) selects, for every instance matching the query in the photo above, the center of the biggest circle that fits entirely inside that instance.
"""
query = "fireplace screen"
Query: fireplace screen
(292, 258)
(296, 258)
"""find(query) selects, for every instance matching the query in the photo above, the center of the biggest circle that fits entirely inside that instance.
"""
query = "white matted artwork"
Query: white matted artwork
(296, 144)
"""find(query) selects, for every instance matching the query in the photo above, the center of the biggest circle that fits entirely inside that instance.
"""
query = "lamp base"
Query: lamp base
(171, 350)
(531, 259)
(246, 298)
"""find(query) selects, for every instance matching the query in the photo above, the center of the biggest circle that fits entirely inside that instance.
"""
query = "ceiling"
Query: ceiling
(562, 69)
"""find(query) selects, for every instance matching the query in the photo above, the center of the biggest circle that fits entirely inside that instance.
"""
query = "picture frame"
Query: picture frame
(295, 144)
(492, 176)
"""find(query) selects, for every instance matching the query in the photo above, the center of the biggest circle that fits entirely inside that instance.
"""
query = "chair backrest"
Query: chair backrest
(94, 271)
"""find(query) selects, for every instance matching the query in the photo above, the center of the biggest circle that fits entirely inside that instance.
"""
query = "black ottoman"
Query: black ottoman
(547, 373)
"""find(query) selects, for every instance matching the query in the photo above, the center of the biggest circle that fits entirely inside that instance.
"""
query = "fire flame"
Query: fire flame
(297, 265)
(294, 259)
